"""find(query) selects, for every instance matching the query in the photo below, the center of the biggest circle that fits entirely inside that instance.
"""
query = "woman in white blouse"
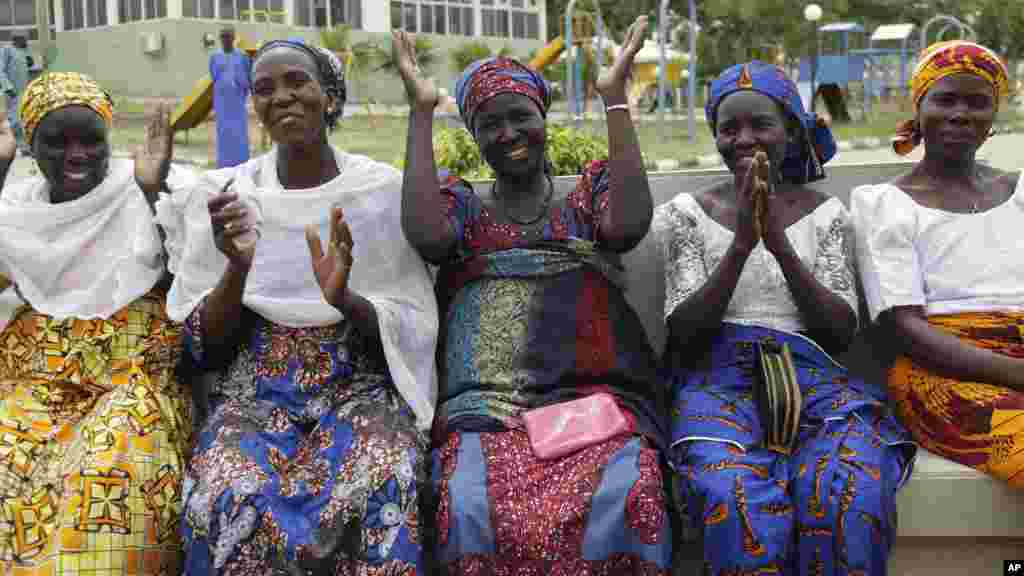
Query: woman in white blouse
(740, 273)
(940, 257)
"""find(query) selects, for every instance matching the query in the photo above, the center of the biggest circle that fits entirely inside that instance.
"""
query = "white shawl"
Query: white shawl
(281, 285)
(86, 258)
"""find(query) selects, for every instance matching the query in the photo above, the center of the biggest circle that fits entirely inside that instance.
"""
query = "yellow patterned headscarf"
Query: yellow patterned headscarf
(55, 90)
(945, 59)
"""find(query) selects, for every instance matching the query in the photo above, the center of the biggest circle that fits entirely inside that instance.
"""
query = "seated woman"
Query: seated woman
(311, 460)
(534, 316)
(94, 427)
(743, 271)
(939, 257)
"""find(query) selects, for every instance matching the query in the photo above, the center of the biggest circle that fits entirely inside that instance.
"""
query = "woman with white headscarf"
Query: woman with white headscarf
(311, 459)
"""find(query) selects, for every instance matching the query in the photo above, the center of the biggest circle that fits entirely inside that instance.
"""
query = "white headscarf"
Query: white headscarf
(281, 285)
(85, 258)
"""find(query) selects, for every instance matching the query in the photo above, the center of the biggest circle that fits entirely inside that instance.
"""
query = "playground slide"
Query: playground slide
(548, 54)
(198, 105)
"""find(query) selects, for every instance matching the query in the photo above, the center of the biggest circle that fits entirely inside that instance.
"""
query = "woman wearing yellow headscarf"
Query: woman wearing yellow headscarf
(939, 255)
(94, 427)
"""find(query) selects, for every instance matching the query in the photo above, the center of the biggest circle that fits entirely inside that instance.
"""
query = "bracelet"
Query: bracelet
(617, 107)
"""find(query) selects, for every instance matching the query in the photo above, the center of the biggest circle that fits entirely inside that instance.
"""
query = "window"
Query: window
(20, 16)
(460, 20)
(244, 10)
(515, 18)
(434, 16)
(132, 10)
(347, 11)
(495, 22)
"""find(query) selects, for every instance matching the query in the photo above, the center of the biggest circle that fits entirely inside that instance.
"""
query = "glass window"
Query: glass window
(409, 16)
(320, 13)
(302, 12)
(426, 21)
(7, 13)
(533, 26)
(518, 25)
(24, 12)
(439, 20)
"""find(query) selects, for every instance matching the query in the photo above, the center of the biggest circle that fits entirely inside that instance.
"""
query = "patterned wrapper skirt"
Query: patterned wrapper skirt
(978, 425)
(828, 507)
(501, 510)
(94, 436)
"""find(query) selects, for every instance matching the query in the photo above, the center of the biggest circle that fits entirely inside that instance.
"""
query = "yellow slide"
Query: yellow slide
(198, 105)
(548, 54)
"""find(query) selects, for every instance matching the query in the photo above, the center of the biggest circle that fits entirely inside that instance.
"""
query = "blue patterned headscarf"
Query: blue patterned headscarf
(485, 79)
(805, 159)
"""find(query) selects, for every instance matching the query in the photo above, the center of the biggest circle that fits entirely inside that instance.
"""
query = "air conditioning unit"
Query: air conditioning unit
(152, 43)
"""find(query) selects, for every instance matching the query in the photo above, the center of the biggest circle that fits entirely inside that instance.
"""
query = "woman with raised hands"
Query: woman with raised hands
(546, 440)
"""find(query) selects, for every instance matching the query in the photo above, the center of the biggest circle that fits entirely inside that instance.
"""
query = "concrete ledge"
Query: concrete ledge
(945, 499)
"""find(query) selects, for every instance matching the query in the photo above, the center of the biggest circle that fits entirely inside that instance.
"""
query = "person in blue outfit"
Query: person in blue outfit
(14, 67)
(230, 70)
(742, 268)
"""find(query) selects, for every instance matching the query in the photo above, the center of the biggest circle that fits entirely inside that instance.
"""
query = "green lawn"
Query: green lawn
(384, 137)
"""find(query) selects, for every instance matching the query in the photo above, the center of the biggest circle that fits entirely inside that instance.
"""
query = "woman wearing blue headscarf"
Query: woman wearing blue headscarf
(762, 262)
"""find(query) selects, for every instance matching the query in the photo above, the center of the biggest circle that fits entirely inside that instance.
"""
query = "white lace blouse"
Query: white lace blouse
(692, 244)
(912, 255)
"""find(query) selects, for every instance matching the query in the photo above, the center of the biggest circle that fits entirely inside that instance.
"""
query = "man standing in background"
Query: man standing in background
(230, 71)
(14, 66)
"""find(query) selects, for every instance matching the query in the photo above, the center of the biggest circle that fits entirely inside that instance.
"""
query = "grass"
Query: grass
(384, 138)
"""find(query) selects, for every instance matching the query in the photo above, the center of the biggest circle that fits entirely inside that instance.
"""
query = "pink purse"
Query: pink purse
(564, 428)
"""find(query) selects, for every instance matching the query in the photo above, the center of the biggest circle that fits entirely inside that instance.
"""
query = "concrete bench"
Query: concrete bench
(952, 519)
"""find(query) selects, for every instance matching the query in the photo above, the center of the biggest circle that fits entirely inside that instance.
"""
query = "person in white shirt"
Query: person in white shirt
(939, 257)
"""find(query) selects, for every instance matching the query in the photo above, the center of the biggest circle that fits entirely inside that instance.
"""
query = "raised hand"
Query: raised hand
(231, 223)
(422, 91)
(8, 145)
(612, 85)
(153, 158)
(332, 269)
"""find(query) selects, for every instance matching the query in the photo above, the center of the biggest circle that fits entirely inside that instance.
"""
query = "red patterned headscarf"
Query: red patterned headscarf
(945, 59)
(485, 79)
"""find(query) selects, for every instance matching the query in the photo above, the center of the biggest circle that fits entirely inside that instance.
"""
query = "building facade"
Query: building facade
(160, 48)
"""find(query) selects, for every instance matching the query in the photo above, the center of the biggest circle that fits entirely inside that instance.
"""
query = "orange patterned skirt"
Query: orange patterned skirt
(976, 424)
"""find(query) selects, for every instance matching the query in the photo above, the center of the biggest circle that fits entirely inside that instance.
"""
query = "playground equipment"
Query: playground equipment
(578, 32)
(965, 30)
(646, 73)
(691, 88)
(875, 74)
(835, 71)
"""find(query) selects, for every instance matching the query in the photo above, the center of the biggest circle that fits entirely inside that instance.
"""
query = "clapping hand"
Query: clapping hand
(332, 268)
(153, 158)
(612, 86)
